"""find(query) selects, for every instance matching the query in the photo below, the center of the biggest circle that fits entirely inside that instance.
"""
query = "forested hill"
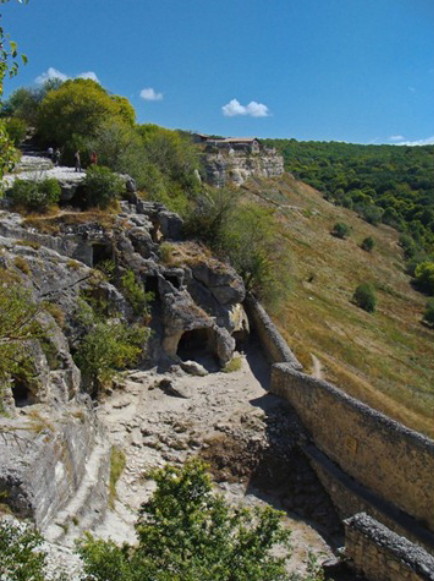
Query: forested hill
(382, 183)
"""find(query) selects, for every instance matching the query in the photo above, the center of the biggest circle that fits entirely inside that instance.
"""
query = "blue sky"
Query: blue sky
(348, 70)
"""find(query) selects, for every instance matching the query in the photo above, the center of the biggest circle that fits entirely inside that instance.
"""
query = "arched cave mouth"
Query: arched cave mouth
(197, 345)
(21, 393)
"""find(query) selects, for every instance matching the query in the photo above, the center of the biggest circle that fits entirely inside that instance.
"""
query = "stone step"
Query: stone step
(88, 505)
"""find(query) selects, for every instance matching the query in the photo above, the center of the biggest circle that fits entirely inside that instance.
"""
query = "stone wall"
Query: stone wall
(389, 459)
(223, 169)
(272, 342)
(382, 555)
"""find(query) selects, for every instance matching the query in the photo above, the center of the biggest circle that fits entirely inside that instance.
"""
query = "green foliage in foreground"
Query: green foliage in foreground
(19, 561)
(187, 533)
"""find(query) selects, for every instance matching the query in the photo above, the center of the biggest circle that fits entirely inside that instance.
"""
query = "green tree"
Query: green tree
(74, 112)
(19, 558)
(9, 59)
(187, 533)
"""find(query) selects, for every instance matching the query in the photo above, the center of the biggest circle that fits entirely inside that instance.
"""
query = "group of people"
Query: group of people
(54, 155)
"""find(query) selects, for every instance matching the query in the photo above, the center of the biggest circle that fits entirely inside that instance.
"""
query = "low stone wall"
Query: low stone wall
(272, 342)
(389, 459)
(382, 555)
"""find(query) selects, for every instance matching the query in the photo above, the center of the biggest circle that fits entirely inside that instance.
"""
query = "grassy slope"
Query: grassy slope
(386, 359)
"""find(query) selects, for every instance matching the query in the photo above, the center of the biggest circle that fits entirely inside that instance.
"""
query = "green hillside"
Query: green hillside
(386, 358)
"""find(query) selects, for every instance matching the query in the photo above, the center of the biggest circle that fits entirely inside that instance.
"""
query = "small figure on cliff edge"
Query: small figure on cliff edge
(93, 158)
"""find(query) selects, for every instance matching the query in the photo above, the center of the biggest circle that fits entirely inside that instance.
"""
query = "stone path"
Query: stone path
(153, 428)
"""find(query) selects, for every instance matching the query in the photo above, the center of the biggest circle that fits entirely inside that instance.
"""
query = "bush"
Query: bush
(367, 244)
(185, 531)
(18, 558)
(35, 195)
(135, 293)
(428, 316)
(424, 277)
(341, 230)
(108, 348)
(101, 187)
(364, 297)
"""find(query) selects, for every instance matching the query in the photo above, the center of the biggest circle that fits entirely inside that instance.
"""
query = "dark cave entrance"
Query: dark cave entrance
(101, 253)
(21, 393)
(196, 345)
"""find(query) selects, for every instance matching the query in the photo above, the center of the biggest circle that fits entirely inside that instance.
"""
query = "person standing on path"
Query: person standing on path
(77, 161)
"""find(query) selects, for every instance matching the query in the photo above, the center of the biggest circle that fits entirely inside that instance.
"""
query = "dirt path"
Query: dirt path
(152, 426)
(317, 367)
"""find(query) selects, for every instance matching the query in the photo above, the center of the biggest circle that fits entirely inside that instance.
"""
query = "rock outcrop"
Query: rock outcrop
(55, 459)
(223, 169)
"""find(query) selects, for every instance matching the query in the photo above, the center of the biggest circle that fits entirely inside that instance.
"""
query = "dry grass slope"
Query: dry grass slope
(386, 358)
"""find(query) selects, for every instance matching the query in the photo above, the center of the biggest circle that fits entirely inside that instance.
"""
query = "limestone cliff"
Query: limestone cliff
(223, 168)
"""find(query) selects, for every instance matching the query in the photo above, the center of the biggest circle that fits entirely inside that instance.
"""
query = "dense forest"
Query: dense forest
(382, 183)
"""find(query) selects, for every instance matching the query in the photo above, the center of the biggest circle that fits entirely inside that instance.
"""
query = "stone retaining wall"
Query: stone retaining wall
(382, 555)
(272, 342)
(389, 459)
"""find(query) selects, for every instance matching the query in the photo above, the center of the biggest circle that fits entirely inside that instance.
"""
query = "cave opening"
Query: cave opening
(21, 393)
(101, 253)
(174, 280)
(195, 345)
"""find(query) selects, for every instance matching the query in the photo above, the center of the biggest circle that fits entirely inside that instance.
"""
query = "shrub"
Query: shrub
(428, 316)
(341, 230)
(367, 244)
(364, 297)
(135, 293)
(108, 348)
(35, 195)
(101, 187)
(19, 557)
(424, 277)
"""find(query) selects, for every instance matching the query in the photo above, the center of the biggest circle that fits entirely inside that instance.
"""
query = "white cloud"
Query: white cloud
(396, 138)
(427, 141)
(253, 109)
(89, 75)
(150, 94)
(50, 74)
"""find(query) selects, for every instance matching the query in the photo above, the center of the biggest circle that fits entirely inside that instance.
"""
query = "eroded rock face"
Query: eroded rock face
(52, 438)
(236, 168)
